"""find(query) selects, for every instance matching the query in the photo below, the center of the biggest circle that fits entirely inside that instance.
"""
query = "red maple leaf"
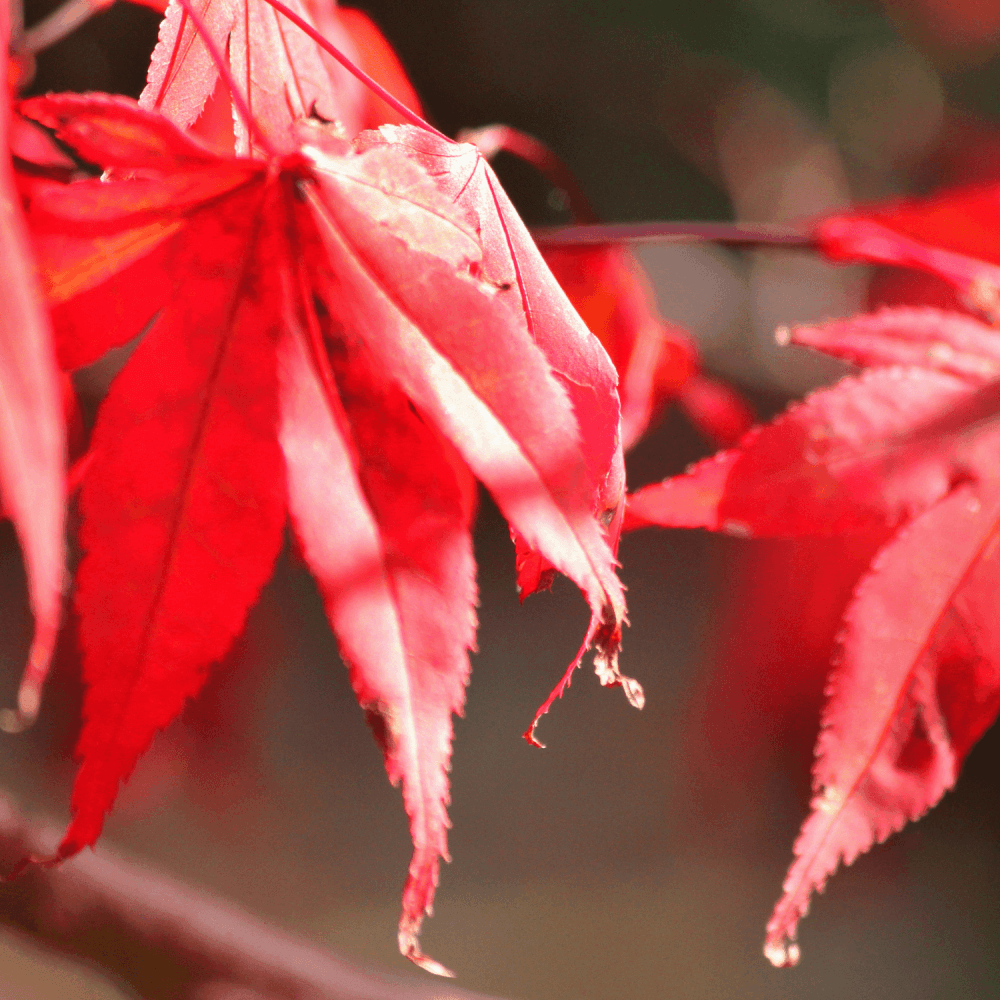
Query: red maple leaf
(657, 361)
(32, 430)
(336, 334)
(916, 684)
(511, 263)
(510, 258)
(916, 680)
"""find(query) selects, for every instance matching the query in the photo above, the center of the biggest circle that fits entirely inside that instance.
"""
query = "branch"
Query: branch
(747, 235)
(63, 21)
(172, 942)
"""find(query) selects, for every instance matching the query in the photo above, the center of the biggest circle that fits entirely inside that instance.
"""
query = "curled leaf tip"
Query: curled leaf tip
(606, 638)
(409, 947)
(782, 952)
(529, 735)
(606, 668)
(609, 675)
(633, 691)
(30, 861)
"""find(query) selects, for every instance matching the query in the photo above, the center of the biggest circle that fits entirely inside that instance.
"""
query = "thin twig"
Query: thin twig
(746, 235)
(170, 941)
(15, 9)
(63, 21)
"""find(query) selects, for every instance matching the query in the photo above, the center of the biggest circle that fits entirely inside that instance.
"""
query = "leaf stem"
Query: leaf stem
(397, 105)
(172, 942)
(15, 9)
(736, 234)
(502, 138)
(63, 21)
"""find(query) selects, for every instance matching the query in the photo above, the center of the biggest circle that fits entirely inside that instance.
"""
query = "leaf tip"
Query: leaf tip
(409, 947)
(606, 668)
(29, 700)
(633, 691)
(781, 951)
(529, 735)
(29, 695)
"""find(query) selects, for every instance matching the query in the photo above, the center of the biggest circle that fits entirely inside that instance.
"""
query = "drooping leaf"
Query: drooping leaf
(512, 265)
(32, 432)
(918, 677)
(547, 325)
(404, 370)
(383, 521)
(183, 508)
(916, 685)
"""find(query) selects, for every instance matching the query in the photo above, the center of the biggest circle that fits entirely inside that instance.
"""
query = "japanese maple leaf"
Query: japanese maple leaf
(330, 338)
(32, 432)
(917, 678)
(510, 261)
(917, 682)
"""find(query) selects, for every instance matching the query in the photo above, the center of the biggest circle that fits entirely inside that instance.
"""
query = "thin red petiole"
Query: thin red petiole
(588, 230)
(397, 105)
(239, 99)
(15, 24)
(747, 236)
(502, 138)
(56, 26)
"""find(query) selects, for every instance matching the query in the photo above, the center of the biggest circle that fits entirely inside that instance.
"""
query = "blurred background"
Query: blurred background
(640, 854)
